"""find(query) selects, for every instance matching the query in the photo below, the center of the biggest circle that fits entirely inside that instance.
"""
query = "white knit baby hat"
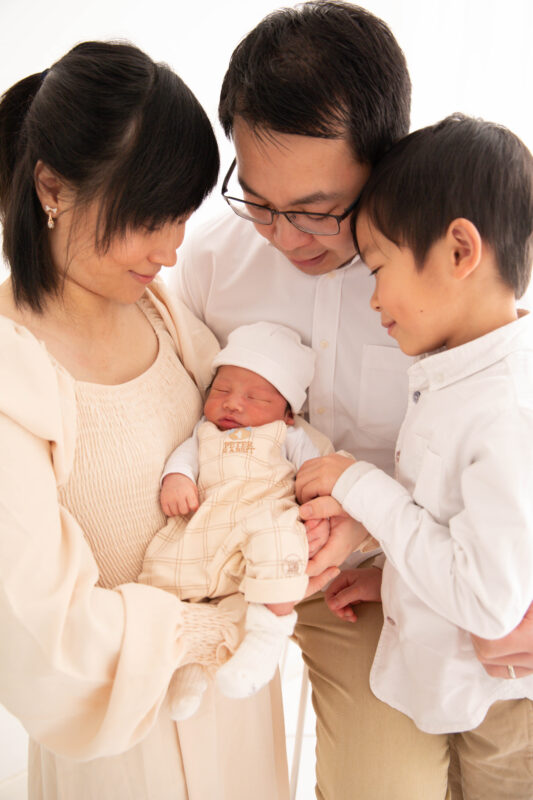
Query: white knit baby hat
(276, 353)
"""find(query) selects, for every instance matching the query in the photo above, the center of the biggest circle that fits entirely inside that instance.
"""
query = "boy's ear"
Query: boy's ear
(465, 247)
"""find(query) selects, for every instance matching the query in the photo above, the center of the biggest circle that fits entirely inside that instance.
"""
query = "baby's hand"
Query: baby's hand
(353, 586)
(179, 495)
(317, 531)
(318, 476)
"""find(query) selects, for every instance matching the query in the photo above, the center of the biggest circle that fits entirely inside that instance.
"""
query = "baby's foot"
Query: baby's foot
(254, 663)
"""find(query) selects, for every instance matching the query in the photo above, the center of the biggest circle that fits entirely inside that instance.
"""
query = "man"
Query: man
(312, 97)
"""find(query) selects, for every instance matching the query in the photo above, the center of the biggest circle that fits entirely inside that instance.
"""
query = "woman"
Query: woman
(102, 160)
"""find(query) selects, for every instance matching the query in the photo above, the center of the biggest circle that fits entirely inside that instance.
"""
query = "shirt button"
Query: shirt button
(391, 621)
(324, 344)
(320, 410)
(331, 274)
(416, 397)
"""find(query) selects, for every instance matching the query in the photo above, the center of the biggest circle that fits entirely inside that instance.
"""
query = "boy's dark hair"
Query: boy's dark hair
(325, 68)
(119, 129)
(460, 167)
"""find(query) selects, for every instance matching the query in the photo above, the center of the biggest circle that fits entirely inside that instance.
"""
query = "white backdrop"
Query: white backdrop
(464, 55)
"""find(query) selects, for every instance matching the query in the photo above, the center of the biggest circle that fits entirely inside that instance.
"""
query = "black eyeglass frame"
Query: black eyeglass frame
(273, 213)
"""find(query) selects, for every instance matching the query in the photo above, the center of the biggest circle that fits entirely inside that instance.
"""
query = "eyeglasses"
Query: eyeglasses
(316, 224)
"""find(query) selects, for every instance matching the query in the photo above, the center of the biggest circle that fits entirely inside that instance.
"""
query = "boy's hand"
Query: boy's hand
(318, 476)
(353, 586)
(344, 537)
(179, 495)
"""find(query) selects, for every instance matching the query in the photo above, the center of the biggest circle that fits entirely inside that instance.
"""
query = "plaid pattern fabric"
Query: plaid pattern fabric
(246, 535)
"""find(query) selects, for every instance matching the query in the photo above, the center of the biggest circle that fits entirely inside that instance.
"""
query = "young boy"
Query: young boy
(230, 491)
(445, 225)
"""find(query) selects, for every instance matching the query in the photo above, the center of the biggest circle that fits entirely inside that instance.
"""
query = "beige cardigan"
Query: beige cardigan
(86, 669)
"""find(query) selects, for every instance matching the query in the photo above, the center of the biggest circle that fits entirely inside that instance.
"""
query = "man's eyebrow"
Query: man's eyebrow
(315, 197)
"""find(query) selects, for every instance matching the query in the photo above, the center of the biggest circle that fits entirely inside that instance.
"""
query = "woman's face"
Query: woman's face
(125, 269)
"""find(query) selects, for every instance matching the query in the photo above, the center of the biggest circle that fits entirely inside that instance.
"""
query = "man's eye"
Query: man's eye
(300, 215)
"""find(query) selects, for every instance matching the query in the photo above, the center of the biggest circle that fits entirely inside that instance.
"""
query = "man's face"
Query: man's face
(300, 173)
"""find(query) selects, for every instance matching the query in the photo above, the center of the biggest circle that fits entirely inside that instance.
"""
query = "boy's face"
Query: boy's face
(240, 398)
(418, 307)
(300, 173)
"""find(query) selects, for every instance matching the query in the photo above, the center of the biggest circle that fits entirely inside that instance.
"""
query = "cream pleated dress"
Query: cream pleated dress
(87, 654)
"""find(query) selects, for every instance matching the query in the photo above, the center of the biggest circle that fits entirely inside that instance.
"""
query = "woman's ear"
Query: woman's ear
(48, 185)
(465, 246)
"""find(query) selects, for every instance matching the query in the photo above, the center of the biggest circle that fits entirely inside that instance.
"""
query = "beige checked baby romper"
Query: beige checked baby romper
(246, 535)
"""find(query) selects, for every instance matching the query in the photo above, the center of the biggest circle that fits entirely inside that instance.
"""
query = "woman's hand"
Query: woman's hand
(353, 586)
(515, 650)
(318, 476)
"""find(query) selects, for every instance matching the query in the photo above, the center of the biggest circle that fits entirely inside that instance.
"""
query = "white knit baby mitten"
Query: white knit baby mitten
(185, 691)
(254, 662)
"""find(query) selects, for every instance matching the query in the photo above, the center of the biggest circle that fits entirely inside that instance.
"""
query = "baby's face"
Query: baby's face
(240, 398)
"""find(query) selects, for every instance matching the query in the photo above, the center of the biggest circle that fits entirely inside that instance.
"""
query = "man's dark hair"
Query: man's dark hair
(325, 68)
(460, 167)
(120, 130)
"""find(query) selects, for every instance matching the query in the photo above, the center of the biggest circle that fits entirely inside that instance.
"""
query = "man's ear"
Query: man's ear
(48, 185)
(465, 247)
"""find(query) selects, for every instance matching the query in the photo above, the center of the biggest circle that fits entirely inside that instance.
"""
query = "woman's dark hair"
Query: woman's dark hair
(325, 68)
(117, 128)
(460, 167)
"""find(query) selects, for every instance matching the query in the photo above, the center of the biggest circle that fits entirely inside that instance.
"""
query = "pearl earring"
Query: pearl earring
(50, 211)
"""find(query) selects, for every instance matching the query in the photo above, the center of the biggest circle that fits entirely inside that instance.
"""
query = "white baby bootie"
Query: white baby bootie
(254, 662)
(185, 691)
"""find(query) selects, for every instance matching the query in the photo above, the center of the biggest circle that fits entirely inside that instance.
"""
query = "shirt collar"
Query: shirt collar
(443, 367)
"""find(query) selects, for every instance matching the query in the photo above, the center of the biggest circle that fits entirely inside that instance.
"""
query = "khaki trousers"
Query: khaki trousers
(365, 749)
(495, 761)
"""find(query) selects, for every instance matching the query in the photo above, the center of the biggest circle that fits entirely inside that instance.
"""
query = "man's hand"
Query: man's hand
(353, 586)
(318, 476)
(515, 649)
(179, 495)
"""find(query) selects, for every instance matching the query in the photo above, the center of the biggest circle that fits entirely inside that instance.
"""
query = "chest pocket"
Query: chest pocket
(383, 391)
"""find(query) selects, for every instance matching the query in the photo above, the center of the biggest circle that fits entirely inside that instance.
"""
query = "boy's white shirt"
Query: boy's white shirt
(457, 528)
(229, 275)
(296, 448)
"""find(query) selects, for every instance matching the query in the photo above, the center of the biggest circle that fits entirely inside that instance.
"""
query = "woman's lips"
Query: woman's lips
(142, 278)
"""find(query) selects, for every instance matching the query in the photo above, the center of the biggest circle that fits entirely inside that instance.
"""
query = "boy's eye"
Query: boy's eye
(374, 271)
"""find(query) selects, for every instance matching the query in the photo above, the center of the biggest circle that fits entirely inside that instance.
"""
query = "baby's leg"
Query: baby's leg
(254, 662)
(185, 691)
